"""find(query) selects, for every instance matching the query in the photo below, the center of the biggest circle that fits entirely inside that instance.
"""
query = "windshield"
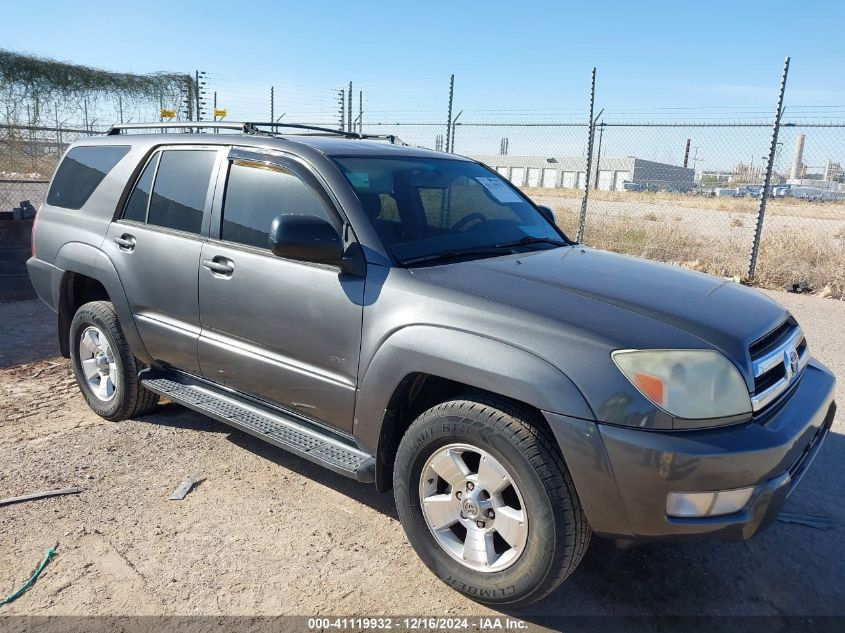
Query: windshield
(427, 207)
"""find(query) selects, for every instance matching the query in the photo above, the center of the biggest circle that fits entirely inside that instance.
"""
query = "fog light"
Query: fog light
(707, 504)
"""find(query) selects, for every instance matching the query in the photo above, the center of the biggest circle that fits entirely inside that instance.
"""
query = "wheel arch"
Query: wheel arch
(420, 366)
(87, 274)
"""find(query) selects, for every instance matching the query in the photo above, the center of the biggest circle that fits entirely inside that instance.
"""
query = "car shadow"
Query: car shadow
(789, 569)
(177, 416)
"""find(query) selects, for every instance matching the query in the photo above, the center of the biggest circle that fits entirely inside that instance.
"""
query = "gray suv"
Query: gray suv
(408, 318)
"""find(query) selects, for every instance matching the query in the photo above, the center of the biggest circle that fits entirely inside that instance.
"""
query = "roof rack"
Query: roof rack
(303, 126)
(246, 127)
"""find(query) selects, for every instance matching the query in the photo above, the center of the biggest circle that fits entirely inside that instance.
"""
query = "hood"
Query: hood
(721, 313)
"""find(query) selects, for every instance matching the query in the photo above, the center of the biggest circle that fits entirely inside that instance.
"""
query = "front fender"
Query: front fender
(463, 357)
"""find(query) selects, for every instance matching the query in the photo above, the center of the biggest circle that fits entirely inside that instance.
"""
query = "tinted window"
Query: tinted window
(180, 188)
(425, 206)
(136, 208)
(257, 193)
(82, 170)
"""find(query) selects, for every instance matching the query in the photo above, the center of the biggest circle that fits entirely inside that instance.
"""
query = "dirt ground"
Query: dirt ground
(268, 533)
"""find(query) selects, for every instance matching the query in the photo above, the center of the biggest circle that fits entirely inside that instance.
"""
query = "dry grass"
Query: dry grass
(785, 256)
(775, 206)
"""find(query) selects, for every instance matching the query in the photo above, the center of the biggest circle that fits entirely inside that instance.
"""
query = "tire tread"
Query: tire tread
(137, 399)
(535, 440)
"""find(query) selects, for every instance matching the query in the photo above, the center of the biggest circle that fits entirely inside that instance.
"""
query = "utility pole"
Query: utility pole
(197, 92)
(58, 133)
(272, 105)
(764, 192)
(189, 99)
(349, 108)
(598, 153)
(360, 111)
(342, 94)
(449, 115)
(591, 125)
(214, 112)
(454, 129)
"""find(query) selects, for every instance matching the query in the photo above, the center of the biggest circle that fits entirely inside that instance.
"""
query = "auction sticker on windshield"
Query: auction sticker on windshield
(498, 189)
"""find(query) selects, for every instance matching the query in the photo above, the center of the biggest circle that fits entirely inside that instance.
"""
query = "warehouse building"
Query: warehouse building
(610, 174)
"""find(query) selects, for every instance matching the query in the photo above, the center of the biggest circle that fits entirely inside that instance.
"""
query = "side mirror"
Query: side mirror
(547, 213)
(307, 238)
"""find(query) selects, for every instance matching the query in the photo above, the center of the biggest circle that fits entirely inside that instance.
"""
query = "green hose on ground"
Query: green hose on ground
(17, 594)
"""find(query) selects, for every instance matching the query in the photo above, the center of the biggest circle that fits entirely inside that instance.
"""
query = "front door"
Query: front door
(155, 246)
(284, 331)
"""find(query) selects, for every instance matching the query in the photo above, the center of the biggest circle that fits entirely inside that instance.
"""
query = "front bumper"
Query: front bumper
(623, 475)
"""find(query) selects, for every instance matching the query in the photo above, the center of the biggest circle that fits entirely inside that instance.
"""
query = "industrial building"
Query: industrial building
(610, 173)
(829, 185)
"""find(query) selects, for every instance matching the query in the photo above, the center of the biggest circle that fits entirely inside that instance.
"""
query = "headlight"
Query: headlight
(690, 384)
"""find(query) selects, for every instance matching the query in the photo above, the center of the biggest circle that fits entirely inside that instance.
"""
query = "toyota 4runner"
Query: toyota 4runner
(409, 318)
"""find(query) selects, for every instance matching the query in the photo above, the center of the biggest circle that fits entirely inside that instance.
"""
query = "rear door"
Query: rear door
(287, 332)
(155, 246)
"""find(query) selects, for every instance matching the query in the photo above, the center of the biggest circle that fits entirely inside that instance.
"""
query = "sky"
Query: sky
(505, 55)
(512, 61)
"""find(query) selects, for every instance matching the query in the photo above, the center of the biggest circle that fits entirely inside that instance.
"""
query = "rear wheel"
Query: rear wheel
(487, 502)
(104, 367)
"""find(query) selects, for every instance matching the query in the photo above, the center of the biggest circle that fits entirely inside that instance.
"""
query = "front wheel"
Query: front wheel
(487, 502)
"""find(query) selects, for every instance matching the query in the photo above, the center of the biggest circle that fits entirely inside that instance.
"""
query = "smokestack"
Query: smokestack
(798, 158)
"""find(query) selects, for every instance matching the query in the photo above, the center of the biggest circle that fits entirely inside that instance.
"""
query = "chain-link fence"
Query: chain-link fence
(19, 199)
(31, 152)
(680, 192)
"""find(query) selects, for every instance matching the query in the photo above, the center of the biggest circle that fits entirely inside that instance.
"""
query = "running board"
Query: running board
(272, 426)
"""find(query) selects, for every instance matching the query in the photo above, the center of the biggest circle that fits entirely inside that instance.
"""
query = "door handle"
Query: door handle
(126, 242)
(219, 266)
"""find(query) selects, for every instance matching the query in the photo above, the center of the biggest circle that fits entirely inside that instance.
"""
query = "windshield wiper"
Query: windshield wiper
(528, 239)
(487, 250)
(491, 251)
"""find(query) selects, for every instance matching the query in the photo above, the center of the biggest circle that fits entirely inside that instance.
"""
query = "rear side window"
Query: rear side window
(256, 193)
(81, 172)
(180, 189)
(139, 200)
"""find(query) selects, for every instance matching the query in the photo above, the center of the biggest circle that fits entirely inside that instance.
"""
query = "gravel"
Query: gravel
(265, 532)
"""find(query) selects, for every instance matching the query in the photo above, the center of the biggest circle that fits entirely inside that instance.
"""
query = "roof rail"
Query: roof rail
(246, 128)
(303, 126)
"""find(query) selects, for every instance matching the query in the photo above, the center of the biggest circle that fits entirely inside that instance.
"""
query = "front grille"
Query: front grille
(771, 340)
(770, 355)
(761, 383)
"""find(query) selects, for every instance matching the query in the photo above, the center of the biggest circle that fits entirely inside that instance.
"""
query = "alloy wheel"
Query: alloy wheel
(98, 364)
(473, 507)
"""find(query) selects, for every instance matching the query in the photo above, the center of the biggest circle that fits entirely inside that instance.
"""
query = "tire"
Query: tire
(104, 340)
(552, 534)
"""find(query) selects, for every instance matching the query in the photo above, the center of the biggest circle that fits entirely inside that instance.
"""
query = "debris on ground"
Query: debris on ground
(826, 292)
(818, 522)
(31, 581)
(798, 287)
(40, 495)
(184, 488)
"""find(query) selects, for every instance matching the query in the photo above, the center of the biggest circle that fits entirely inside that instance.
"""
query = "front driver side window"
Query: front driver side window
(258, 192)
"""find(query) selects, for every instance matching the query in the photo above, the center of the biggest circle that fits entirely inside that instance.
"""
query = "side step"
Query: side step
(275, 427)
